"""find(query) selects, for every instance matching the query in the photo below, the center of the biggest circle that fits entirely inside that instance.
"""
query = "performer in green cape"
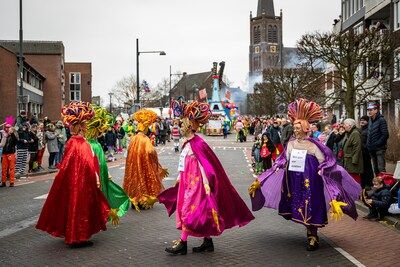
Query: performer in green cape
(116, 196)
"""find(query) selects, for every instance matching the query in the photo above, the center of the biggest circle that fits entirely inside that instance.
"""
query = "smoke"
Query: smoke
(251, 80)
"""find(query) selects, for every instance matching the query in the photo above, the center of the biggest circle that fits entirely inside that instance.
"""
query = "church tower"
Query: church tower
(265, 39)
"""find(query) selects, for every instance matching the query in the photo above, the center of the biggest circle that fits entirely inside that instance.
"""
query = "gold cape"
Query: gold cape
(143, 172)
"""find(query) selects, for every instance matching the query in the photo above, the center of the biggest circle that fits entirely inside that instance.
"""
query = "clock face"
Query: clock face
(257, 49)
(272, 49)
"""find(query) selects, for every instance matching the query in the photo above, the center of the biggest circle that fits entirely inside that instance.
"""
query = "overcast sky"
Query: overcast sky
(192, 33)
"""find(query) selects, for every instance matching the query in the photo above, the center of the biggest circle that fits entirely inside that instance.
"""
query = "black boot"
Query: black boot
(313, 243)
(207, 246)
(179, 247)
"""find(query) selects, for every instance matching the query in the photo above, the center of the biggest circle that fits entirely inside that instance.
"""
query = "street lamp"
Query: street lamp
(110, 94)
(21, 60)
(161, 53)
(170, 80)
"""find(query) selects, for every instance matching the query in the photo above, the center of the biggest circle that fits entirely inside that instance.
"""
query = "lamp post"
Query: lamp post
(161, 53)
(170, 80)
(21, 59)
(110, 94)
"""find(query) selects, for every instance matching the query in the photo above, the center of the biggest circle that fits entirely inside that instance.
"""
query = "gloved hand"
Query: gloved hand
(254, 187)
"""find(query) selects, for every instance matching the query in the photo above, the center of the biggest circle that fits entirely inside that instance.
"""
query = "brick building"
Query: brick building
(44, 61)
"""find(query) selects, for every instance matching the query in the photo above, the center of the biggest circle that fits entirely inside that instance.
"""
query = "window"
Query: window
(397, 15)
(397, 64)
(75, 86)
(257, 34)
(359, 28)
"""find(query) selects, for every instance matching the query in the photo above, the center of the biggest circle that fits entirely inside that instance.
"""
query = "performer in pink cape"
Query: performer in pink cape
(204, 199)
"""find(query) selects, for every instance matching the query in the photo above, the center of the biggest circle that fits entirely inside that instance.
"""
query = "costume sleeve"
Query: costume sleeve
(319, 155)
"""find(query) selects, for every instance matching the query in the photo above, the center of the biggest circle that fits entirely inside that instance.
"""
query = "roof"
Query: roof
(35, 47)
(266, 6)
(191, 80)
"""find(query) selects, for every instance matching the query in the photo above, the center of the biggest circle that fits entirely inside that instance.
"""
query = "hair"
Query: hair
(350, 122)
(304, 112)
(378, 180)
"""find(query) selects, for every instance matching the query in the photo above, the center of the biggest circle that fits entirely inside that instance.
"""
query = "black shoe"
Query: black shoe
(3, 184)
(11, 185)
(179, 247)
(371, 216)
(313, 243)
(84, 244)
(207, 246)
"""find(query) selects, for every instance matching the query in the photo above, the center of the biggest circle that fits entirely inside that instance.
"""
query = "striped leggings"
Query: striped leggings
(22, 158)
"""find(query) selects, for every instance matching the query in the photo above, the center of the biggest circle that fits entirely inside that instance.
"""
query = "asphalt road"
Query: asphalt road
(140, 238)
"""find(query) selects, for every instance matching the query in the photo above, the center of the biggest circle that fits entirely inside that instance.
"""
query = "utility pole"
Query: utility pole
(21, 60)
(137, 73)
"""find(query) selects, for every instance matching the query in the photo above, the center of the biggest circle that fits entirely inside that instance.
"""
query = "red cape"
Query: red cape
(75, 207)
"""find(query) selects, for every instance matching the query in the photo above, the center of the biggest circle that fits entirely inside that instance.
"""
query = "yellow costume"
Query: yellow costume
(143, 172)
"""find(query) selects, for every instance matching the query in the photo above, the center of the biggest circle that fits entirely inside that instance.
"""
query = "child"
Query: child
(176, 135)
(267, 148)
(377, 199)
(111, 140)
(255, 153)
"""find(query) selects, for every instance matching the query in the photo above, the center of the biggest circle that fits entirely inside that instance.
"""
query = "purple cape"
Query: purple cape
(338, 184)
(232, 209)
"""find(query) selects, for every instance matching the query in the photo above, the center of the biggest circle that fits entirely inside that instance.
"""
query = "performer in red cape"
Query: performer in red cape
(204, 199)
(75, 207)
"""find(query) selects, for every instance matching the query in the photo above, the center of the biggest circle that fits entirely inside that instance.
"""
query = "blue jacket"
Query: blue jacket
(378, 133)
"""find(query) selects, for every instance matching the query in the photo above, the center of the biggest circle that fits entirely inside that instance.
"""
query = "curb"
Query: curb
(388, 221)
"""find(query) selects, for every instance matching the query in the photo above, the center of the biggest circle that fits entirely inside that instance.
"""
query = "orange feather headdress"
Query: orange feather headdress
(304, 112)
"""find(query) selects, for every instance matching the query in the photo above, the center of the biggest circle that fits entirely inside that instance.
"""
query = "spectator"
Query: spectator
(33, 148)
(339, 144)
(52, 144)
(255, 154)
(46, 121)
(287, 132)
(274, 135)
(330, 136)
(120, 132)
(41, 145)
(33, 120)
(61, 134)
(176, 135)
(378, 135)
(330, 118)
(353, 159)
(239, 127)
(258, 128)
(377, 199)
(8, 157)
(22, 149)
(267, 150)
(21, 119)
(2, 141)
(368, 174)
(163, 131)
(110, 140)
(315, 132)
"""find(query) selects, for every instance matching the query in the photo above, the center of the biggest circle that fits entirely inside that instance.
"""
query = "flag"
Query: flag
(145, 87)
(228, 94)
(202, 94)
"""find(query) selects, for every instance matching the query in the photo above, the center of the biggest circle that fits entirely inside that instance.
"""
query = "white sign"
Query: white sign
(182, 157)
(297, 160)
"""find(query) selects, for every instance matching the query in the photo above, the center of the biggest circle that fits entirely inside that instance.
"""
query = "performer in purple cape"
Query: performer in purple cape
(305, 181)
(204, 199)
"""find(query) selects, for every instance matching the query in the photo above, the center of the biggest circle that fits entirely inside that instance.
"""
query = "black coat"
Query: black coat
(378, 133)
(111, 138)
(23, 139)
(33, 145)
(274, 134)
(381, 198)
(9, 147)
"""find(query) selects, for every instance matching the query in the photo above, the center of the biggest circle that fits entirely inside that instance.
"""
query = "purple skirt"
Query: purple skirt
(302, 198)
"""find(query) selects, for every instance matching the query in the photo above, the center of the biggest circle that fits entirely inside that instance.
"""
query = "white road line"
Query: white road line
(42, 196)
(349, 257)
(18, 226)
(122, 168)
(169, 179)
(24, 183)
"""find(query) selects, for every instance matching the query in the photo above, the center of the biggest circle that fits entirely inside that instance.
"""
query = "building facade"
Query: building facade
(78, 82)
(45, 77)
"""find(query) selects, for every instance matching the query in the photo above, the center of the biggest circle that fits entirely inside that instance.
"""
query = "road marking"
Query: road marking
(349, 257)
(42, 196)
(169, 179)
(24, 183)
(18, 226)
(122, 168)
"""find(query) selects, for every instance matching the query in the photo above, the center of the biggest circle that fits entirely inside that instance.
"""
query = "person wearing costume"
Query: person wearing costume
(204, 199)
(116, 196)
(305, 181)
(143, 173)
(75, 207)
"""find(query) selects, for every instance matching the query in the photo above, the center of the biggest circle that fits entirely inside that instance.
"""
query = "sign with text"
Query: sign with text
(297, 160)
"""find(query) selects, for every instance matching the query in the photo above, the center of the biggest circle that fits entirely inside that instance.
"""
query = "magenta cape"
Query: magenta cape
(231, 209)
(338, 184)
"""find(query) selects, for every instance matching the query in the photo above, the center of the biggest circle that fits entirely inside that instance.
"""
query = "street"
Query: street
(141, 238)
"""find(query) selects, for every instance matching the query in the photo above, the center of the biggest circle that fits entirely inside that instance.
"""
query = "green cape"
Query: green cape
(115, 195)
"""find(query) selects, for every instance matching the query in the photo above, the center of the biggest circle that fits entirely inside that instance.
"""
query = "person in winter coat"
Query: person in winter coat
(111, 140)
(287, 132)
(8, 156)
(52, 144)
(42, 145)
(176, 135)
(61, 140)
(378, 135)
(33, 148)
(274, 134)
(368, 174)
(22, 150)
(353, 158)
(378, 200)
(266, 151)
(339, 144)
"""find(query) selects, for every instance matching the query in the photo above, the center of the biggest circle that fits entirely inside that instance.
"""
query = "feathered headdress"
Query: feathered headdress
(99, 123)
(304, 112)
(145, 118)
(77, 113)
(194, 111)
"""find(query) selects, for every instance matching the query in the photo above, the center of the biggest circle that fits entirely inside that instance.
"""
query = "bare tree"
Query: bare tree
(263, 101)
(361, 63)
(125, 90)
